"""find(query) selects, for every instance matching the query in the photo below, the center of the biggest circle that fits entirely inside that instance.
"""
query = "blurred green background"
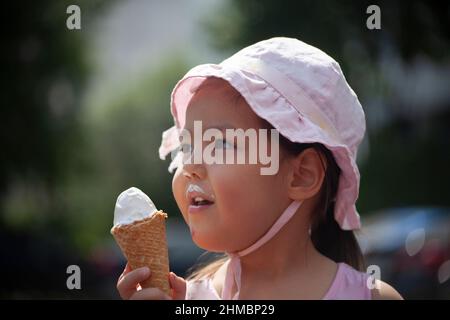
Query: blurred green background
(83, 112)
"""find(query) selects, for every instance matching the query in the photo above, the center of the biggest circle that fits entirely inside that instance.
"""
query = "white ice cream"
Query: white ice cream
(132, 205)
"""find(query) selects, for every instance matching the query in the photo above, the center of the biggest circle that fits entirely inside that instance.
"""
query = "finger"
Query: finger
(150, 294)
(127, 284)
(126, 270)
(178, 285)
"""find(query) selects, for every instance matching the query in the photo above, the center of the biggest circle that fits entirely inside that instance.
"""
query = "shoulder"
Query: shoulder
(218, 278)
(384, 291)
(349, 284)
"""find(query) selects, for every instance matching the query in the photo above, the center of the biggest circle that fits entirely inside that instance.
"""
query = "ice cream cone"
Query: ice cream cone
(144, 244)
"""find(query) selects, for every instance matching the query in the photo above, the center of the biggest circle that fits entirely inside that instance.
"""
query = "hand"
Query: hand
(129, 288)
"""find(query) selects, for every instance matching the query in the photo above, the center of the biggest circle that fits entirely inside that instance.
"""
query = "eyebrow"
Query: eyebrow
(221, 126)
(217, 126)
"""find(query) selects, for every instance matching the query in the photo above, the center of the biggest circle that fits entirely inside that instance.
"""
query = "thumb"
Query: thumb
(178, 286)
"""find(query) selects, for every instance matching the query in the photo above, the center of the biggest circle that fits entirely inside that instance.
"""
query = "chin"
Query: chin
(206, 243)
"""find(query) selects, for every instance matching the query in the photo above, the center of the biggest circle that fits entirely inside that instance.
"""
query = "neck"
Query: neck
(291, 249)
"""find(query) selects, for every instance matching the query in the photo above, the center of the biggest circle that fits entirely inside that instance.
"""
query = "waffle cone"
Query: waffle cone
(144, 244)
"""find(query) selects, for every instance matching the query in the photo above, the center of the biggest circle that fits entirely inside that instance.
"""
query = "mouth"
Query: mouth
(199, 201)
(199, 204)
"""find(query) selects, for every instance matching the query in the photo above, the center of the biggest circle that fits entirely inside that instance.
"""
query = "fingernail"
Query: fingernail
(145, 271)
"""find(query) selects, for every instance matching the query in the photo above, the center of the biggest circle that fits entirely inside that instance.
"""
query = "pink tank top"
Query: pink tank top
(348, 284)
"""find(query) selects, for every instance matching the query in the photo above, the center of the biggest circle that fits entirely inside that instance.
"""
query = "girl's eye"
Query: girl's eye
(185, 148)
(223, 144)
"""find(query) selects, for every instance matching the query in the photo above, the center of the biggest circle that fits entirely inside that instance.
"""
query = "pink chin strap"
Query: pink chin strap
(233, 274)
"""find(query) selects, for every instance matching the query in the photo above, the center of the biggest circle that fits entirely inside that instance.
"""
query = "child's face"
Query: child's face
(246, 203)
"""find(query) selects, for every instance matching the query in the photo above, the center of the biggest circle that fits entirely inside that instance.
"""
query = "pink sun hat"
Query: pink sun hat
(302, 92)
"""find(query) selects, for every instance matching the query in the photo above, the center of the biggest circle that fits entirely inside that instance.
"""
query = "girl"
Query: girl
(286, 235)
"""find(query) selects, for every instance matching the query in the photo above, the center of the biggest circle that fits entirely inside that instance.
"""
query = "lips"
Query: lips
(198, 199)
(197, 206)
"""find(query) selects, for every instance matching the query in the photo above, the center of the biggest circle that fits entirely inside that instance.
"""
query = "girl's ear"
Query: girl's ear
(307, 174)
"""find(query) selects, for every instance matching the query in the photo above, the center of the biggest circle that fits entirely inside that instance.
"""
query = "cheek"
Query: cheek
(178, 190)
(247, 202)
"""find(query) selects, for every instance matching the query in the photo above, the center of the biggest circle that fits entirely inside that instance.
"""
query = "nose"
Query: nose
(193, 166)
(194, 171)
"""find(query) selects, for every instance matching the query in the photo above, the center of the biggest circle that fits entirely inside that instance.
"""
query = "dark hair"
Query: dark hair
(326, 234)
